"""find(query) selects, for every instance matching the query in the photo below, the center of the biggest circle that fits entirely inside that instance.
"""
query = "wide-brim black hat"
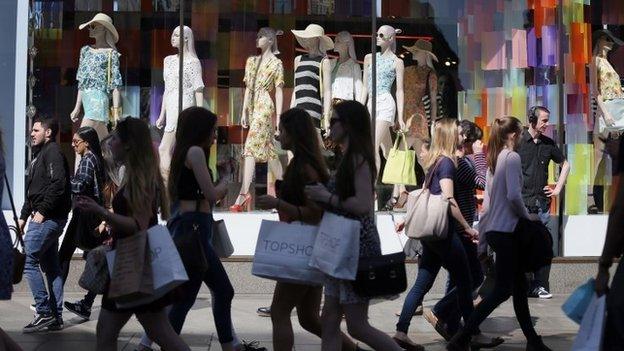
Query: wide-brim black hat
(605, 33)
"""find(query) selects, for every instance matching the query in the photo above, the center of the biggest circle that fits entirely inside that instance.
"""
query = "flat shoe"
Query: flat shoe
(493, 342)
(407, 346)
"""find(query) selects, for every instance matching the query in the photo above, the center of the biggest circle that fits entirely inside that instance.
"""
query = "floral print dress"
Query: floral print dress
(261, 78)
(418, 80)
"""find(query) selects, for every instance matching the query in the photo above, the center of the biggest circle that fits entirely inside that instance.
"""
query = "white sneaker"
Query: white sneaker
(542, 293)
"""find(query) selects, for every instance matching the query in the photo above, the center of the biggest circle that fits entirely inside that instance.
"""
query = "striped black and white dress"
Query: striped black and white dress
(307, 86)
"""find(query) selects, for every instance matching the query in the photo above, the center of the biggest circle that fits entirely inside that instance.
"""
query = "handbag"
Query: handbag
(131, 273)
(95, 276)
(427, 216)
(220, 240)
(283, 251)
(336, 249)
(399, 167)
(19, 256)
(590, 334)
(576, 305)
(381, 275)
(187, 239)
(85, 227)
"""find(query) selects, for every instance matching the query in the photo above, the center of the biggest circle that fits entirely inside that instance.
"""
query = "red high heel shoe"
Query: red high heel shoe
(245, 204)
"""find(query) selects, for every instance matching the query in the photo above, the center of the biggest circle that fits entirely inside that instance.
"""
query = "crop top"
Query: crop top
(188, 188)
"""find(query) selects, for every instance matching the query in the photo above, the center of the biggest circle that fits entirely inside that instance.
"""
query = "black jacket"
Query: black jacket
(47, 184)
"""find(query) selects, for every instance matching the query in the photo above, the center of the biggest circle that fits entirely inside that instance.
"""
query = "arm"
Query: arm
(55, 166)
(162, 119)
(244, 117)
(74, 114)
(513, 176)
(279, 94)
(196, 159)
(400, 68)
(563, 176)
(116, 83)
(480, 163)
(198, 83)
(327, 91)
(295, 65)
(364, 93)
(446, 184)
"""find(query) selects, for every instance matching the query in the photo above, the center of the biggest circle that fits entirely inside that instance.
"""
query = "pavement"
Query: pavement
(199, 330)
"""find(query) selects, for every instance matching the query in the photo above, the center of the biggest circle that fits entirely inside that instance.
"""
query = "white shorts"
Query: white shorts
(386, 107)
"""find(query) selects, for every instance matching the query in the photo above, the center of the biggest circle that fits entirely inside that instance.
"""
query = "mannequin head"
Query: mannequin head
(386, 37)
(267, 39)
(101, 34)
(313, 39)
(189, 41)
(344, 45)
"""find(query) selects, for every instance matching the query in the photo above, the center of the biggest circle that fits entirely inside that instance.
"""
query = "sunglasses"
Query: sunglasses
(383, 36)
(77, 142)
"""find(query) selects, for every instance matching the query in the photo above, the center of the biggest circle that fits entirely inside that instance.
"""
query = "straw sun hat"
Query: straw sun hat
(422, 45)
(314, 31)
(106, 22)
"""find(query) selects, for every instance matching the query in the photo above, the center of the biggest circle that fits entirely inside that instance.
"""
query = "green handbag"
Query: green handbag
(400, 164)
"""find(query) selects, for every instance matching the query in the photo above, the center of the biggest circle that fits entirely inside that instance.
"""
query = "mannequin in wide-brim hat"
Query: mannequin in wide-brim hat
(313, 78)
(99, 76)
(607, 91)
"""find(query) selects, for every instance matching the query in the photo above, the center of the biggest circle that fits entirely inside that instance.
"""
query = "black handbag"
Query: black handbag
(85, 229)
(186, 237)
(381, 275)
(19, 257)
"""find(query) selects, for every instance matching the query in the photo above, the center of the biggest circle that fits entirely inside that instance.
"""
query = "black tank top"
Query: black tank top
(188, 188)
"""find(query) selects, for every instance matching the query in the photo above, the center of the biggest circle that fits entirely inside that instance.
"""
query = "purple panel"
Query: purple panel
(156, 96)
(549, 45)
(532, 48)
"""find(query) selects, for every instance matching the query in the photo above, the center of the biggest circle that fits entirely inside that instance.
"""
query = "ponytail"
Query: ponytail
(501, 127)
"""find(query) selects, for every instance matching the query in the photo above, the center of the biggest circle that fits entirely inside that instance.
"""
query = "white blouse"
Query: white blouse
(346, 80)
(192, 82)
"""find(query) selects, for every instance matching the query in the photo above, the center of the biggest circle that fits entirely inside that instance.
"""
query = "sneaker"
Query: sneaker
(264, 311)
(252, 346)
(57, 325)
(33, 307)
(79, 308)
(40, 322)
(540, 292)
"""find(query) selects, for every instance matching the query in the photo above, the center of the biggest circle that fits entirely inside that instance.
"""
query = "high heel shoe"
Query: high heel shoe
(402, 200)
(245, 204)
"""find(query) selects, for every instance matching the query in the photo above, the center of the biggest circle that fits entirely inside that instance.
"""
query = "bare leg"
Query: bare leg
(331, 318)
(108, 327)
(285, 298)
(165, 150)
(158, 328)
(249, 169)
(359, 328)
(383, 140)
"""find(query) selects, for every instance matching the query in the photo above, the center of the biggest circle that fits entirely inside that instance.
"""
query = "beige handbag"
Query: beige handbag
(427, 216)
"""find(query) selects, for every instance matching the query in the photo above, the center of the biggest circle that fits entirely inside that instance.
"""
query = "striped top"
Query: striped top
(471, 172)
(307, 85)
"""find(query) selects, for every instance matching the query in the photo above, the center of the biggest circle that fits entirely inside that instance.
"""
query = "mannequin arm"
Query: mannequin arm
(279, 102)
(116, 104)
(292, 98)
(160, 122)
(364, 92)
(400, 96)
(244, 120)
(327, 98)
(74, 114)
(199, 98)
(433, 93)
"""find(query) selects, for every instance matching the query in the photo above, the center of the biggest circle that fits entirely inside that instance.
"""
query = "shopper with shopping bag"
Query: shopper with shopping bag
(590, 335)
(135, 208)
(288, 243)
(351, 194)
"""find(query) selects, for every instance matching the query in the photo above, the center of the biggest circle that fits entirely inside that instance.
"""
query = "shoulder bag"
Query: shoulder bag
(19, 256)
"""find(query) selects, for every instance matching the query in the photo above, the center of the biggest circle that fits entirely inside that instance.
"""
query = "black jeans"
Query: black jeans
(614, 329)
(510, 280)
(68, 247)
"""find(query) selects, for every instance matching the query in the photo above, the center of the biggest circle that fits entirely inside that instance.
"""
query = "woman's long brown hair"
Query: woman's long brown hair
(501, 127)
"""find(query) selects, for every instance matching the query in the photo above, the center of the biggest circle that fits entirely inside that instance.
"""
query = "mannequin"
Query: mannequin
(346, 71)
(192, 93)
(313, 74)
(609, 123)
(262, 74)
(98, 77)
(389, 68)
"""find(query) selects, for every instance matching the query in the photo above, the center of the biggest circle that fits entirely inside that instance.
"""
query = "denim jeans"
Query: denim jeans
(510, 280)
(215, 278)
(41, 245)
(540, 278)
(450, 254)
(447, 309)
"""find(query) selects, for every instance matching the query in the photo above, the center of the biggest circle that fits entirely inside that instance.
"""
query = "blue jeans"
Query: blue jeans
(215, 278)
(447, 309)
(41, 245)
(450, 254)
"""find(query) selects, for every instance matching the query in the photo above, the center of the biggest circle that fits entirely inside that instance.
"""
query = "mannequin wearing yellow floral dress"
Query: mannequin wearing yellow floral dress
(262, 74)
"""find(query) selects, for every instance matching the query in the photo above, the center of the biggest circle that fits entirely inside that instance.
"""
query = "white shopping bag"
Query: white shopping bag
(337, 247)
(283, 251)
(167, 268)
(590, 334)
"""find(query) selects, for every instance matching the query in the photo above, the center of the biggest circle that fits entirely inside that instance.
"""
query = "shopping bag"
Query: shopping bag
(95, 276)
(166, 266)
(337, 247)
(399, 167)
(131, 273)
(283, 251)
(589, 337)
(576, 305)
(221, 243)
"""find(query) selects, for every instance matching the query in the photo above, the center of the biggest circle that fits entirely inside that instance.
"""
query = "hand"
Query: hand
(551, 192)
(477, 147)
(402, 127)
(602, 281)
(399, 226)
(244, 121)
(87, 204)
(160, 122)
(266, 202)
(472, 234)
(74, 115)
(38, 218)
(317, 192)
(21, 224)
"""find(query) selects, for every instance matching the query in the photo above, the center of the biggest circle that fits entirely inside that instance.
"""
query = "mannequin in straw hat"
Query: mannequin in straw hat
(390, 68)
(313, 74)
(98, 76)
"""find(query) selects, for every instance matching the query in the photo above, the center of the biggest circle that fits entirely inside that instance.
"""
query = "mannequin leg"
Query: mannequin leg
(275, 172)
(249, 168)
(100, 128)
(599, 180)
(383, 140)
(165, 150)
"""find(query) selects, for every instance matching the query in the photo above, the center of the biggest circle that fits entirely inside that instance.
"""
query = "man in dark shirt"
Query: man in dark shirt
(536, 151)
(46, 207)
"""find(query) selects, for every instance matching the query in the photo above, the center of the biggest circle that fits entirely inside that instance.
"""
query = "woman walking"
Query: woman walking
(503, 208)
(449, 252)
(298, 135)
(351, 194)
(88, 181)
(135, 207)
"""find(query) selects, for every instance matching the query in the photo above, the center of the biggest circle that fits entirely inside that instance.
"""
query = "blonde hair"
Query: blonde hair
(443, 142)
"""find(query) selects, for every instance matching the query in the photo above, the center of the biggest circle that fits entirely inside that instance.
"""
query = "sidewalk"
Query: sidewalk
(199, 331)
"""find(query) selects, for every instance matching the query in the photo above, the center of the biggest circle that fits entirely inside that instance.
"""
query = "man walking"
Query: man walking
(46, 207)
(536, 151)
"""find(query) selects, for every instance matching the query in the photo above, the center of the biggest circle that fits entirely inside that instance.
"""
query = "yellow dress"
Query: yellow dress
(261, 80)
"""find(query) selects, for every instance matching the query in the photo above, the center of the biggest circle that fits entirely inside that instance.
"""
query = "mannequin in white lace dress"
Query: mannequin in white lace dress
(192, 93)
(346, 71)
